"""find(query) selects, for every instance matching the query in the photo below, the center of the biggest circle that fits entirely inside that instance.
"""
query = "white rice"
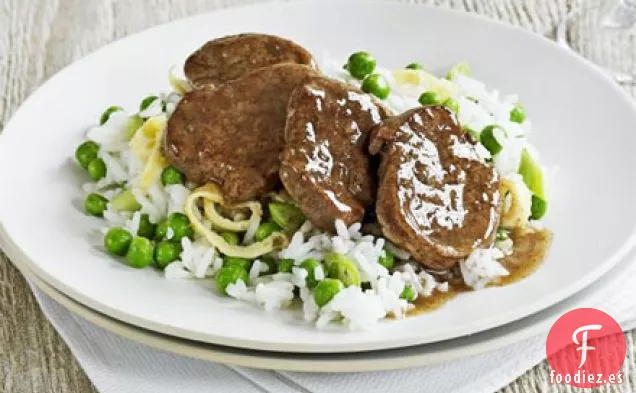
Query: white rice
(176, 196)
(257, 268)
(132, 225)
(111, 136)
(353, 306)
(482, 267)
(114, 218)
(197, 260)
(319, 273)
(251, 231)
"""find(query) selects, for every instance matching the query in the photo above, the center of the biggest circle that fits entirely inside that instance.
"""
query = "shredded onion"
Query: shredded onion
(181, 86)
(211, 195)
(225, 224)
(517, 202)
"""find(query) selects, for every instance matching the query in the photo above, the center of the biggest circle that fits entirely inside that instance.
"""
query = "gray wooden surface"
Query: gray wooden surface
(39, 37)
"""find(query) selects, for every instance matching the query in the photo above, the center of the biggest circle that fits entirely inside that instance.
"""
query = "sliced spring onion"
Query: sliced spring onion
(125, 201)
(490, 137)
(132, 125)
(286, 215)
(342, 268)
(109, 111)
(459, 68)
(532, 174)
(146, 102)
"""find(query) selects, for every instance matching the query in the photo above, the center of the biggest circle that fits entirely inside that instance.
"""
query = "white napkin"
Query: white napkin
(119, 365)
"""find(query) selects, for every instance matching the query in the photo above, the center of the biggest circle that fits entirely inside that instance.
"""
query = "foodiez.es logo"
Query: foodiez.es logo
(586, 348)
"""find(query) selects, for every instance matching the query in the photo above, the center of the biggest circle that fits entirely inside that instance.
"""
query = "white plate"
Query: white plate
(583, 124)
(389, 359)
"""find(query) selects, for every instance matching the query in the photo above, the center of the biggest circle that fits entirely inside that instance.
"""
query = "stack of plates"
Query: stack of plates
(583, 126)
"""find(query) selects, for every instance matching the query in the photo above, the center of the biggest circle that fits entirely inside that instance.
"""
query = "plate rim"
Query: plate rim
(326, 362)
(488, 323)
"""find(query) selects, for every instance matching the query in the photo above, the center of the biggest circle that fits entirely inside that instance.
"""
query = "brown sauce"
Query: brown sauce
(529, 251)
(436, 300)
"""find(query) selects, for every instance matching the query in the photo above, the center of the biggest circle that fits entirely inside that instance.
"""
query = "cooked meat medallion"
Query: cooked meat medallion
(230, 57)
(233, 135)
(325, 165)
(437, 198)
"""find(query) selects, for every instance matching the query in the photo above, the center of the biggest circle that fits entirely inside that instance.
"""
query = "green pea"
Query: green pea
(106, 115)
(310, 265)
(132, 125)
(429, 98)
(518, 114)
(451, 104)
(414, 66)
(360, 64)
(117, 241)
(230, 275)
(376, 84)
(408, 294)
(539, 208)
(162, 230)
(171, 175)
(342, 268)
(236, 261)
(387, 259)
(125, 201)
(140, 253)
(286, 215)
(265, 230)
(180, 225)
(489, 140)
(86, 152)
(95, 204)
(146, 228)
(146, 102)
(231, 238)
(285, 265)
(96, 169)
(167, 252)
(326, 290)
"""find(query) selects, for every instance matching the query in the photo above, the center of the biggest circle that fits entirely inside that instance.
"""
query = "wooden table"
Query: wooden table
(39, 37)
